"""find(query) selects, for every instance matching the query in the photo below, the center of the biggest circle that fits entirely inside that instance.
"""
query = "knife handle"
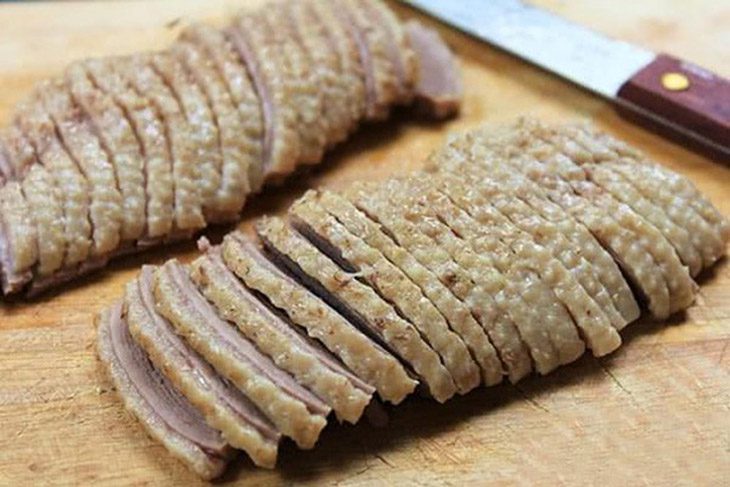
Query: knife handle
(682, 96)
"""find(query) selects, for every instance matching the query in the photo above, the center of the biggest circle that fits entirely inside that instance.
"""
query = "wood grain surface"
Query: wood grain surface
(656, 412)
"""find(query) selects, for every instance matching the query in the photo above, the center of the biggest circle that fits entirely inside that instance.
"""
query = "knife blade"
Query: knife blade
(669, 94)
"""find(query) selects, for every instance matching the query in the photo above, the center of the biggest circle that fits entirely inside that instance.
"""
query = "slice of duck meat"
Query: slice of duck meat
(398, 46)
(309, 33)
(357, 301)
(364, 357)
(294, 410)
(203, 129)
(162, 411)
(381, 81)
(592, 322)
(119, 142)
(15, 161)
(356, 256)
(188, 203)
(482, 288)
(264, 58)
(270, 331)
(466, 156)
(547, 233)
(79, 140)
(439, 89)
(243, 152)
(69, 180)
(144, 118)
(305, 86)
(234, 186)
(351, 74)
(223, 406)
(458, 315)
(18, 239)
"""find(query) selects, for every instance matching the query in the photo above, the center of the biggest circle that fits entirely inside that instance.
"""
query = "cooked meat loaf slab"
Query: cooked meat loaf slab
(367, 359)
(496, 260)
(153, 147)
(224, 407)
(162, 411)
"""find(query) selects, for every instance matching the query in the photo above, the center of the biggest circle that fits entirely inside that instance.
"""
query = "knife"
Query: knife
(669, 94)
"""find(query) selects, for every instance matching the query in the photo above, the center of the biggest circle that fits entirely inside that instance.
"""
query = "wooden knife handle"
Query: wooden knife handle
(685, 97)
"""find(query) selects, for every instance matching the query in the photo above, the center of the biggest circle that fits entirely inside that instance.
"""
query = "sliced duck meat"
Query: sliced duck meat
(356, 256)
(479, 289)
(203, 129)
(364, 357)
(454, 310)
(150, 131)
(398, 46)
(553, 233)
(242, 153)
(590, 319)
(223, 406)
(79, 140)
(294, 410)
(358, 302)
(305, 87)
(504, 276)
(69, 180)
(117, 139)
(188, 203)
(466, 155)
(270, 331)
(18, 238)
(14, 160)
(352, 73)
(162, 411)
(264, 57)
(381, 80)
(439, 89)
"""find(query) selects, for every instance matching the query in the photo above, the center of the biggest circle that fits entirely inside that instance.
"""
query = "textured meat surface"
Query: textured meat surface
(364, 357)
(224, 407)
(391, 284)
(119, 142)
(147, 395)
(296, 412)
(358, 299)
(276, 338)
(18, 238)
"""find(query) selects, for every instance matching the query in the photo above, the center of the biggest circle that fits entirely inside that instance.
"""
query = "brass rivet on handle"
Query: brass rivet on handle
(675, 81)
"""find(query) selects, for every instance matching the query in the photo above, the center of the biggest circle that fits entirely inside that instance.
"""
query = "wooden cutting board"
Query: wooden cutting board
(655, 412)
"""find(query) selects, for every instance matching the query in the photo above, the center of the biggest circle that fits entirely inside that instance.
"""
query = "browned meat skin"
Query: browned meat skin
(271, 332)
(366, 358)
(439, 89)
(295, 411)
(223, 406)
(160, 409)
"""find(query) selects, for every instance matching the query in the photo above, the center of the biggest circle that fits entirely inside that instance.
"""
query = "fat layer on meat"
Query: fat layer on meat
(357, 301)
(352, 74)
(187, 202)
(79, 140)
(18, 238)
(108, 75)
(364, 357)
(119, 142)
(145, 393)
(295, 411)
(353, 254)
(264, 57)
(223, 406)
(590, 319)
(470, 285)
(244, 173)
(458, 315)
(310, 366)
(203, 129)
